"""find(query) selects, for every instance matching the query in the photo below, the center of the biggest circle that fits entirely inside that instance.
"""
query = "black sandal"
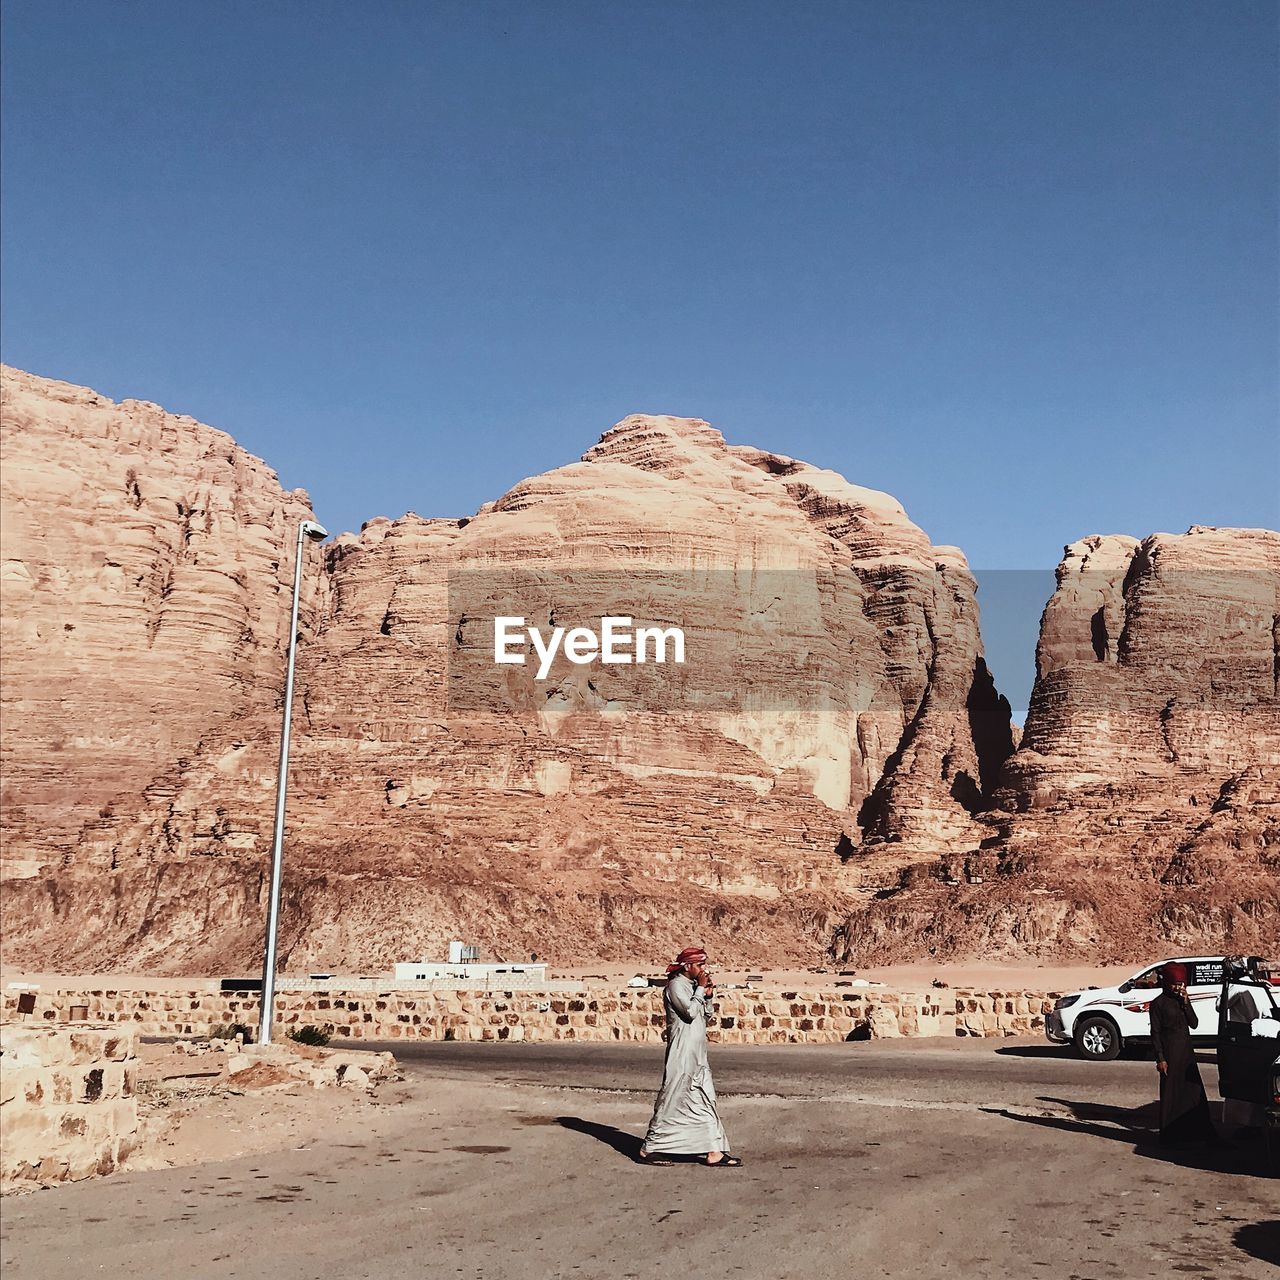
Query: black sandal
(643, 1157)
(725, 1162)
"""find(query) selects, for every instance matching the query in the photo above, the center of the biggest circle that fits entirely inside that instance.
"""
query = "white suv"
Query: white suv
(1102, 1020)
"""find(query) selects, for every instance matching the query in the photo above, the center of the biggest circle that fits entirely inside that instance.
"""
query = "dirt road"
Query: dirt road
(883, 1159)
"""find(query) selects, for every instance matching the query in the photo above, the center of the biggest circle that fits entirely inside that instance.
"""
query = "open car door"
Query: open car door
(1246, 1054)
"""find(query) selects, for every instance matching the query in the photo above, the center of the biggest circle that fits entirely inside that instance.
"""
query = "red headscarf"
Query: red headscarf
(1172, 973)
(690, 955)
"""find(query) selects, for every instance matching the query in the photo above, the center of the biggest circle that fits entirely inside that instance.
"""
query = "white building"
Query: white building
(463, 964)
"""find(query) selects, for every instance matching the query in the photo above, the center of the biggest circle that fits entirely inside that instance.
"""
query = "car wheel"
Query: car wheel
(1098, 1039)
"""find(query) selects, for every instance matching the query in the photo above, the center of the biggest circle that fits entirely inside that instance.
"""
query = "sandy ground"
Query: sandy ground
(192, 1111)
(885, 1159)
(194, 1127)
(902, 977)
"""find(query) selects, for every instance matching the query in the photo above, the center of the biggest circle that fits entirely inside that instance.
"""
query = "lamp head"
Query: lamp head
(314, 530)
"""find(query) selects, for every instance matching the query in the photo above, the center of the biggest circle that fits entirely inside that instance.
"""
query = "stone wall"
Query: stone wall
(67, 1105)
(609, 1014)
(1002, 1013)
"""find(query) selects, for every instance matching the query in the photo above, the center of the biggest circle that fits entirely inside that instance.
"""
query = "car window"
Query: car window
(1241, 1006)
(1148, 978)
(1204, 973)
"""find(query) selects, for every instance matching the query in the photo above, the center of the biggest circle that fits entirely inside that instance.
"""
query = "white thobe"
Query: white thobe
(685, 1120)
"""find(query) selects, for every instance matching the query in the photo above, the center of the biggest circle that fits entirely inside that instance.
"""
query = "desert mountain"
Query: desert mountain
(830, 772)
(1141, 813)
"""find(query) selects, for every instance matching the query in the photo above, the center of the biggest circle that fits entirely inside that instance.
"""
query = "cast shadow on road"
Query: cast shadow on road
(1137, 1126)
(1260, 1240)
(1066, 1053)
(1142, 1122)
(1035, 1051)
(625, 1144)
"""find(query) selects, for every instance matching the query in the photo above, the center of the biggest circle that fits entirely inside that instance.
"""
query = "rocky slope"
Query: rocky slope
(1142, 810)
(833, 712)
(831, 773)
(144, 603)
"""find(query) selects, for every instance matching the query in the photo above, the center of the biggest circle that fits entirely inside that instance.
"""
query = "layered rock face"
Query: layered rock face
(833, 715)
(1142, 811)
(145, 602)
(830, 773)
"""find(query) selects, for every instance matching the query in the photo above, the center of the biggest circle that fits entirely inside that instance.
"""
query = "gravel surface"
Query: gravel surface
(511, 1162)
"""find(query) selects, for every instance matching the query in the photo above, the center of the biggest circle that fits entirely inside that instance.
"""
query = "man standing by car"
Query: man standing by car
(1184, 1107)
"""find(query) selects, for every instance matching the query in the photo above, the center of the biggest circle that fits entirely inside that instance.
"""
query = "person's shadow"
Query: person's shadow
(1142, 1122)
(625, 1144)
(1260, 1240)
(1113, 1123)
(1138, 1127)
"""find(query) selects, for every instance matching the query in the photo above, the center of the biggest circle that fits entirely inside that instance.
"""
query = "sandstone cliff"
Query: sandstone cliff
(835, 711)
(145, 602)
(830, 774)
(1142, 810)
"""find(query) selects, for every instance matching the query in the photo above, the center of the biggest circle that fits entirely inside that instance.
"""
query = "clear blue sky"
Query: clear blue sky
(1015, 263)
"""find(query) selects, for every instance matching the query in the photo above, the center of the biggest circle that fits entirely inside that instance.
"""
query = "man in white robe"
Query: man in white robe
(685, 1119)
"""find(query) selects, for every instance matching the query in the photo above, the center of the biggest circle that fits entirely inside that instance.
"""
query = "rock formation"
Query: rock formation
(145, 600)
(834, 691)
(831, 772)
(1141, 812)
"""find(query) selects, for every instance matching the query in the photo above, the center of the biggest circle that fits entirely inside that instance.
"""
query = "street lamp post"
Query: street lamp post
(307, 529)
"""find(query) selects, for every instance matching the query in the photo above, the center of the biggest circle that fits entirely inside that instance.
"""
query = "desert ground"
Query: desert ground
(915, 1159)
